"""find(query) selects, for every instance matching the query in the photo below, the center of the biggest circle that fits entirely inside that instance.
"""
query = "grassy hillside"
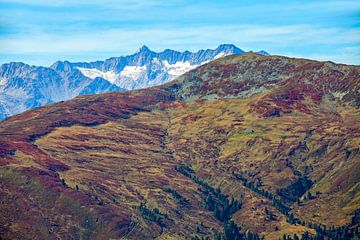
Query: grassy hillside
(244, 145)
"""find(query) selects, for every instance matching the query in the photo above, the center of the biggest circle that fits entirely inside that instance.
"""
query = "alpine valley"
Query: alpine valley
(24, 87)
(245, 146)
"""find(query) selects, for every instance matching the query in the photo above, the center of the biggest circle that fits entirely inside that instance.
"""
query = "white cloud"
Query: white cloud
(128, 39)
(83, 29)
(121, 4)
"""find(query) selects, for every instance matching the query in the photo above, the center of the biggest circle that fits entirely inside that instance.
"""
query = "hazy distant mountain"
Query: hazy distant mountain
(24, 87)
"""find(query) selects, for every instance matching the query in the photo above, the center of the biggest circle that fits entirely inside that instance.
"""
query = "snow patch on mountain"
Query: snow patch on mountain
(136, 73)
(129, 73)
(178, 68)
(94, 73)
(133, 72)
(221, 54)
(2, 81)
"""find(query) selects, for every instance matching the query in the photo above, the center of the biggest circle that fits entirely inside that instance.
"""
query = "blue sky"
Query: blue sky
(40, 32)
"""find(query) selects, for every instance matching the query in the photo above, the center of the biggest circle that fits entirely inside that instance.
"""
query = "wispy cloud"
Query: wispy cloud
(107, 40)
(123, 4)
(78, 29)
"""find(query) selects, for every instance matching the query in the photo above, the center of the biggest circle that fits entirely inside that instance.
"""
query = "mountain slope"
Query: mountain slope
(266, 142)
(24, 87)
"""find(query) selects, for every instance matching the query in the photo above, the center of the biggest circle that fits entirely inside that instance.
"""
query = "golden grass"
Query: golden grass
(209, 135)
(124, 163)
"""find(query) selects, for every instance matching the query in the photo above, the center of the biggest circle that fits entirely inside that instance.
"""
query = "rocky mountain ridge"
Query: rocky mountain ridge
(25, 87)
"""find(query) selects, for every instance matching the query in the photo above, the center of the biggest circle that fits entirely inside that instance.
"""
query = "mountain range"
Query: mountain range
(23, 87)
(243, 147)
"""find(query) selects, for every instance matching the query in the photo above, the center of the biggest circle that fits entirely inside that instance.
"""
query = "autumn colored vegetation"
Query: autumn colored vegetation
(244, 147)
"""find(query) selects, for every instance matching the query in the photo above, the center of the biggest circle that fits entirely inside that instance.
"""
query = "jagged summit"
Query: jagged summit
(62, 66)
(144, 48)
(229, 48)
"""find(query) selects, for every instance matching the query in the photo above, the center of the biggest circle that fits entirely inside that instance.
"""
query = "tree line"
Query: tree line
(221, 206)
(349, 231)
